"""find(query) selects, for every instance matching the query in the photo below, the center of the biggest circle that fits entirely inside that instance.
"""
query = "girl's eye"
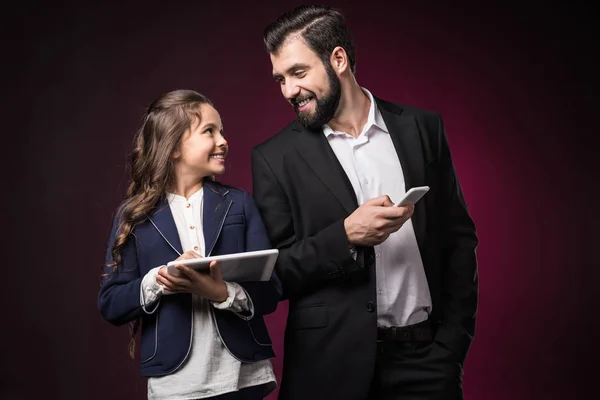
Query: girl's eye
(209, 131)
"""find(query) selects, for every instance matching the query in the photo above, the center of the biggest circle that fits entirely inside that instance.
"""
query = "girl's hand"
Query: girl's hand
(166, 279)
(208, 285)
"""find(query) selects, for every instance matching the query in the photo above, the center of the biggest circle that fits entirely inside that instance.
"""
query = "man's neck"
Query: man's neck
(353, 111)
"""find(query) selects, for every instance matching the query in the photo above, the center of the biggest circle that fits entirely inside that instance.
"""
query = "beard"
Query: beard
(326, 106)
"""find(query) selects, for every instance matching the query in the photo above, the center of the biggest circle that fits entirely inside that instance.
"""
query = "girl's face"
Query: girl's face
(203, 148)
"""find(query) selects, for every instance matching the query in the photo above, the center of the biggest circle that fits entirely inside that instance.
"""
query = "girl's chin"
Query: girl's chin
(209, 173)
(218, 171)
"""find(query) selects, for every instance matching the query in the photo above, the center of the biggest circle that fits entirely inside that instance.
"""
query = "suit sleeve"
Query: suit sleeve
(264, 295)
(119, 297)
(459, 261)
(306, 263)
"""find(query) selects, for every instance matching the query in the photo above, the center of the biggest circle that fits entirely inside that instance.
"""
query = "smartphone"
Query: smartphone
(413, 195)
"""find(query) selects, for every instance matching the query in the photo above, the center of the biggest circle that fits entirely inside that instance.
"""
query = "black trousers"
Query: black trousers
(416, 371)
(249, 393)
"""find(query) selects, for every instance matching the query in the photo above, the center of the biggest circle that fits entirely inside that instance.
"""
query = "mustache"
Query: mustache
(300, 98)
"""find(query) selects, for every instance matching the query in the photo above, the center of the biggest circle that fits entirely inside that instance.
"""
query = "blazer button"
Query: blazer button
(370, 306)
(370, 260)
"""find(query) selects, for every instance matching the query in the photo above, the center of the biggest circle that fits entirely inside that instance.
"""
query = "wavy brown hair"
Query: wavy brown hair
(151, 165)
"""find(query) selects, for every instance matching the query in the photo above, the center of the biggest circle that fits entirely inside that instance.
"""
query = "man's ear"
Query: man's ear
(339, 60)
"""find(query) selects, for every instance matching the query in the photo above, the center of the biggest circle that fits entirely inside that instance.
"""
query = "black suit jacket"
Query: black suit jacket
(304, 196)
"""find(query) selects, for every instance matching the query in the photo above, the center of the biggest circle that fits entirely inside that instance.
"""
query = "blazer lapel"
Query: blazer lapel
(214, 211)
(315, 149)
(407, 142)
(163, 221)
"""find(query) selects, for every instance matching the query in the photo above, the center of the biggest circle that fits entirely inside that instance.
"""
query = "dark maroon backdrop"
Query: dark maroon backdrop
(514, 83)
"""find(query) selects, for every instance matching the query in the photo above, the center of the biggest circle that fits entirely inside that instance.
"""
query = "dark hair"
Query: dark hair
(321, 27)
(151, 165)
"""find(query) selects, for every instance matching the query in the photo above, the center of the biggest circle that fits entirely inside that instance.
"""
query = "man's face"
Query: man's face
(311, 87)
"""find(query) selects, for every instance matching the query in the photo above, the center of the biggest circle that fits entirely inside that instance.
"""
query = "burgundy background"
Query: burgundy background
(515, 84)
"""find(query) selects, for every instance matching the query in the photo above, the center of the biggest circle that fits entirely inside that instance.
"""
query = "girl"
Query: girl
(202, 337)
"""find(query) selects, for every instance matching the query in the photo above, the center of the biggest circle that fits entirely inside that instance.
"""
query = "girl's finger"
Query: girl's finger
(186, 271)
(164, 283)
(188, 255)
(176, 280)
(215, 271)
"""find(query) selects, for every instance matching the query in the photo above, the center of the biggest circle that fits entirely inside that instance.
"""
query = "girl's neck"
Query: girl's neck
(186, 186)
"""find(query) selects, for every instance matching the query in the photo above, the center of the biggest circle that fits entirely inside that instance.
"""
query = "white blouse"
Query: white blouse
(209, 370)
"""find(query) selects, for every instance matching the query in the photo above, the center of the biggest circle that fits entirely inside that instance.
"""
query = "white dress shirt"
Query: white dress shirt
(372, 166)
(209, 370)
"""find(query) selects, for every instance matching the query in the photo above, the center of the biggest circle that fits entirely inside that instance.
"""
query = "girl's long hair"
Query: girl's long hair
(151, 166)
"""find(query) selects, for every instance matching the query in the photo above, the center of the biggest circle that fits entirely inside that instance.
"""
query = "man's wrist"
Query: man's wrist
(346, 223)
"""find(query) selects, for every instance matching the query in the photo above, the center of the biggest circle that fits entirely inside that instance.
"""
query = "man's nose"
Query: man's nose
(290, 90)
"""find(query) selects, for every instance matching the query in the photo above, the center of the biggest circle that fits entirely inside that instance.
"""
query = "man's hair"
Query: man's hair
(321, 27)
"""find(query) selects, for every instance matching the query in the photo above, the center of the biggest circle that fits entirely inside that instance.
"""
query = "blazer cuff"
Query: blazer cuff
(455, 339)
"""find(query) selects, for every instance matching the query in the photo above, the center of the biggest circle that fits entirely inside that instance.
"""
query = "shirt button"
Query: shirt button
(196, 248)
(192, 227)
(366, 181)
(370, 306)
(378, 254)
(380, 292)
(187, 205)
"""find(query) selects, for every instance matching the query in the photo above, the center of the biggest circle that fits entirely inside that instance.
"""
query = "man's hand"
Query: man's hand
(372, 223)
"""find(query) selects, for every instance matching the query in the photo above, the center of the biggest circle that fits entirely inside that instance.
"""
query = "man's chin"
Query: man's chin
(304, 119)
(305, 115)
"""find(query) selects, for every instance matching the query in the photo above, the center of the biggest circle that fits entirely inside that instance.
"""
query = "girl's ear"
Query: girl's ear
(176, 154)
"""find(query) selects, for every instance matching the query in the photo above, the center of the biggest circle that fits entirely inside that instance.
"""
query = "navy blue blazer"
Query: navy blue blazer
(232, 224)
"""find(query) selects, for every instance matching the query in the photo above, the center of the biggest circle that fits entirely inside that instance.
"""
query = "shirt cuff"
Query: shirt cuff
(151, 291)
(353, 252)
(237, 300)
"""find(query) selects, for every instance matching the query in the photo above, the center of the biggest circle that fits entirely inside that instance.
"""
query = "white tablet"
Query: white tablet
(237, 267)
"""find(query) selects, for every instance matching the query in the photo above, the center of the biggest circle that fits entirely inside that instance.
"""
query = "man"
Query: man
(382, 299)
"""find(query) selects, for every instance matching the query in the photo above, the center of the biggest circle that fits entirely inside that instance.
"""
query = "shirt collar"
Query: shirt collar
(175, 198)
(374, 118)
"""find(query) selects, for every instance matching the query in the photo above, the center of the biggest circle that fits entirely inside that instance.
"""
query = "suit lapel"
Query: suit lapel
(405, 135)
(214, 211)
(163, 221)
(314, 148)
